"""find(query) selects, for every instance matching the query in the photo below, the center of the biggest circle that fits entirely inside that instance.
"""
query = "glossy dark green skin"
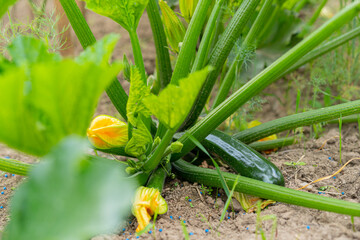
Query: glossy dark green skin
(242, 159)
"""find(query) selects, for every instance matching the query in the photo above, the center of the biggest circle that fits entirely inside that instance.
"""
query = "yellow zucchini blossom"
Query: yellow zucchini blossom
(148, 201)
(107, 132)
(174, 28)
(187, 8)
(272, 137)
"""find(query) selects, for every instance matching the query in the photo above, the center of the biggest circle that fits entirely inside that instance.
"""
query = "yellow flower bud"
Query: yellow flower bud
(272, 137)
(174, 28)
(187, 8)
(107, 132)
(148, 201)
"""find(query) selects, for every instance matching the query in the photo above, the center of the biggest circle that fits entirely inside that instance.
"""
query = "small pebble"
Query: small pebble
(160, 229)
(191, 233)
(342, 193)
(206, 230)
(308, 227)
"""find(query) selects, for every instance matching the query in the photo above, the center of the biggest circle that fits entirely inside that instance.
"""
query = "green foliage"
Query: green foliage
(173, 104)
(138, 91)
(4, 5)
(125, 12)
(49, 99)
(140, 138)
(69, 197)
(44, 27)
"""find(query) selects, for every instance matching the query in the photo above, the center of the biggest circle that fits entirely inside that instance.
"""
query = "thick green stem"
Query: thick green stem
(204, 47)
(348, 119)
(157, 178)
(115, 91)
(162, 50)
(153, 161)
(327, 47)
(265, 78)
(188, 48)
(272, 144)
(247, 48)
(219, 55)
(139, 61)
(257, 188)
(297, 120)
(14, 166)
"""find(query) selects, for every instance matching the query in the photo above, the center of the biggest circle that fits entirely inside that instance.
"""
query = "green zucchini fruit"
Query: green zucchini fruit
(242, 159)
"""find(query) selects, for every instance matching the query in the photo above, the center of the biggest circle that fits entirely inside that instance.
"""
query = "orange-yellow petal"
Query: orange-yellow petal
(148, 201)
(107, 132)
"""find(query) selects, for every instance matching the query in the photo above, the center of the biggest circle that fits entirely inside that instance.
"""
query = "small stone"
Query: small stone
(219, 203)
(236, 205)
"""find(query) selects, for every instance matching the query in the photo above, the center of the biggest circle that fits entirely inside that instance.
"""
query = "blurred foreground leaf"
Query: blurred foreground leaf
(69, 197)
(45, 99)
(4, 5)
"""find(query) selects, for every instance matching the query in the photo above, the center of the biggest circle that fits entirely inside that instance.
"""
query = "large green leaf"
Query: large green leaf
(69, 197)
(173, 104)
(125, 12)
(138, 90)
(47, 101)
(4, 5)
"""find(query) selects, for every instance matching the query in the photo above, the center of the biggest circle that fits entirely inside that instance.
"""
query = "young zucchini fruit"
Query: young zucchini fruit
(242, 159)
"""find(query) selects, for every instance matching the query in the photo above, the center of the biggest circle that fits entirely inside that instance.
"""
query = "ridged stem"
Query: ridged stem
(201, 129)
(82, 30)
(298, 120)
(14, 166)
(188, 48)
(327, 47)
(247, 48)
(205, 44)
(161, 46)
(219, 55)
(210, 177)
(272, 144)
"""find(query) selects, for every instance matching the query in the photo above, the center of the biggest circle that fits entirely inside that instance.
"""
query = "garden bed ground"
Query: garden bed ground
(292, 222)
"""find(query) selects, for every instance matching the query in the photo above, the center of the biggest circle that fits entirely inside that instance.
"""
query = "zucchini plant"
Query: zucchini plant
(57, 98)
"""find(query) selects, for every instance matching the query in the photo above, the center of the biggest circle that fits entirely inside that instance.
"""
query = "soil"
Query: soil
(204, 212)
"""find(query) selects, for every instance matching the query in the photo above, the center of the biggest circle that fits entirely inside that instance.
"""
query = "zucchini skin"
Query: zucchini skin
(242, 159)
